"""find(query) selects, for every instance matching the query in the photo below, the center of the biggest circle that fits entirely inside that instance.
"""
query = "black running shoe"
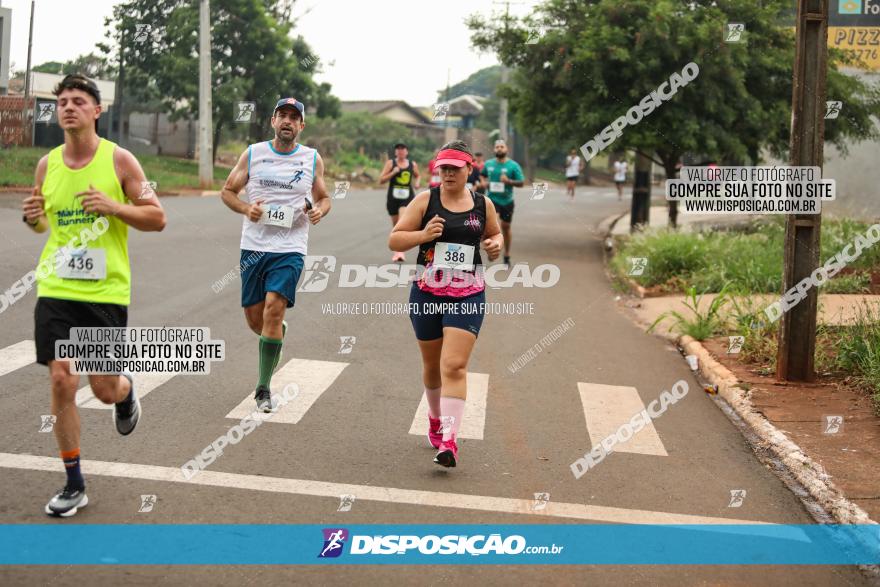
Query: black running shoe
(66, 502)
(447, 453)
(506, 260)
(264, 399)
(127, 413)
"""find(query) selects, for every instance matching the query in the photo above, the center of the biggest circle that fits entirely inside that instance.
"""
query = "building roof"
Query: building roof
(466, 105)
(380, 106)
(42, 85)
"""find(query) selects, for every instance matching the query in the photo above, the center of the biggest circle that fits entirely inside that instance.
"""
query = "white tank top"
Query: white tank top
(282, 181)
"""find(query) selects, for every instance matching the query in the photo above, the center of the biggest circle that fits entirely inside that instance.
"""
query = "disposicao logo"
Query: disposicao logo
(334, 541)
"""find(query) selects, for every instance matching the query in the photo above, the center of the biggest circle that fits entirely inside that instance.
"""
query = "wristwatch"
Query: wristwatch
(25, 220)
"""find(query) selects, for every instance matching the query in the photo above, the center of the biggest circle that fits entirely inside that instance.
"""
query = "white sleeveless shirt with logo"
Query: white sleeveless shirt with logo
(282, 181)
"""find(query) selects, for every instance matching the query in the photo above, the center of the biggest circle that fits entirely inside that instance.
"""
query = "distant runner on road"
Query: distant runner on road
(279, 177)
(435, 176)
(500, 175)
(402, 175)
(573, 167)
(473, 182)
(620, 169)
(449, 224)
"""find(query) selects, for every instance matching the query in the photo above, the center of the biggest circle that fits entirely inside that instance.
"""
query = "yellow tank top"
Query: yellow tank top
(68, 223)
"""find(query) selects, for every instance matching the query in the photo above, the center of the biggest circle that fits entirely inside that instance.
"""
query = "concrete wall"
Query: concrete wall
(5, 38)
(858, 180)
(154, 133)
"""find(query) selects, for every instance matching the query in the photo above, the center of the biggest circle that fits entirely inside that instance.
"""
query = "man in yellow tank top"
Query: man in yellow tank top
(87, 193)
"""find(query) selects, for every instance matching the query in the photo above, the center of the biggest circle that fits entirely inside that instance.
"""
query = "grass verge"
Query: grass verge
(170, 173)
(746, 261)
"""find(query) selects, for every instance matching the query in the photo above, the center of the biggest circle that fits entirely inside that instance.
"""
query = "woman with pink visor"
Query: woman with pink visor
(449, 223)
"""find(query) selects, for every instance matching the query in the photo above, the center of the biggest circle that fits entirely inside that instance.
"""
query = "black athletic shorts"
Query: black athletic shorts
(505, 212)
(53, 319)
(393, 204)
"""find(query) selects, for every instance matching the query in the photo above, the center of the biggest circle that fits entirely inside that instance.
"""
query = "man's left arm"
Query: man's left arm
(144, 212)
(320, 198)
(518, 180)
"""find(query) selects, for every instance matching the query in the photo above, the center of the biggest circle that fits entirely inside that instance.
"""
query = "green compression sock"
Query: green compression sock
(281, 352)
(270, 348)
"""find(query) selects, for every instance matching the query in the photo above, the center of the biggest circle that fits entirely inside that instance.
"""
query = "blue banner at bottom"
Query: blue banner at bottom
(556, 544)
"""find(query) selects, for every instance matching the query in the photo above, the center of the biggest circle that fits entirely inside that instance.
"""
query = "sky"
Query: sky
(379, 50)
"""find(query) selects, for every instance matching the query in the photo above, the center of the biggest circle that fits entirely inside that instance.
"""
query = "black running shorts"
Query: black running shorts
(505, 212)
(53, 319)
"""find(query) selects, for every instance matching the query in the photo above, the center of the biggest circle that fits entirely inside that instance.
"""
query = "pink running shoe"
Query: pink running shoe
(398, 258)
(435, 437)
(447, 453)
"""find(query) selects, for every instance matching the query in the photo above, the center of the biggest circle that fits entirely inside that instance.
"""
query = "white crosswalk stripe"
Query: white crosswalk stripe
(310, 376)
(16, 356)
(607, 407)
(474, 419)
(378, 493)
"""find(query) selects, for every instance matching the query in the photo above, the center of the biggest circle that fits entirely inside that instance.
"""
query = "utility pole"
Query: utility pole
(505, 77)
(206, 140)
(27, 77)
(120, 91)
(797, 329)
(502, 109)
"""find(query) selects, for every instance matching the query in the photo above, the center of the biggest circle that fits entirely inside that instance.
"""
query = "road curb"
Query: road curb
(810, 474)
(638, 290)
(606, 225)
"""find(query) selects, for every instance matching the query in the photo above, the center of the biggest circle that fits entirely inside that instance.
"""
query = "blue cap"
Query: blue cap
(291, 102)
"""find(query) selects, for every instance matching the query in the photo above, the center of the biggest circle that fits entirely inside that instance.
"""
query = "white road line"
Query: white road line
(607, 407)
(16, 356)
(144, 383)
(474, 411)
(394, 495)
(312, 377)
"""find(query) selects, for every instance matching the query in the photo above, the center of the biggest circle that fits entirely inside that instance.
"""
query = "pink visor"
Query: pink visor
(453, 158)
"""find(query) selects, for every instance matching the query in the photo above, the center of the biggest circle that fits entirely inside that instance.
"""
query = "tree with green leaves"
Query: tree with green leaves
(254, 58)
(91, 65)
(589, 61)
(368, 134)
(56, 67)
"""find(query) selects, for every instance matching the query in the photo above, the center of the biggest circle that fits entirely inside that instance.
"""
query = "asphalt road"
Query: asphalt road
(356, 432)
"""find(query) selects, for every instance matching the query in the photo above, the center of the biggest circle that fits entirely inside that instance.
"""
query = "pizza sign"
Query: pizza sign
(854, 26)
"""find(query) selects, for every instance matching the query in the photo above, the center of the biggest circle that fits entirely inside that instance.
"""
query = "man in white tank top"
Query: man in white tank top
(284, 190)
(573, 167)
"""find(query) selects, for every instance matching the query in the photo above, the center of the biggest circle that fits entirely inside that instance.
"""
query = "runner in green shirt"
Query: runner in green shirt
(499, 177)
(87, 193)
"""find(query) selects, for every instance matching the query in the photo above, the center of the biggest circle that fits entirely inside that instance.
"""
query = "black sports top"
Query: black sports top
(463, 228)
(401, 179)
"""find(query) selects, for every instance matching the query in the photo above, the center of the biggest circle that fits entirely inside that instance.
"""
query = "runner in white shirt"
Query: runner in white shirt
(573, 167)
(279, 177)
(620, 168)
